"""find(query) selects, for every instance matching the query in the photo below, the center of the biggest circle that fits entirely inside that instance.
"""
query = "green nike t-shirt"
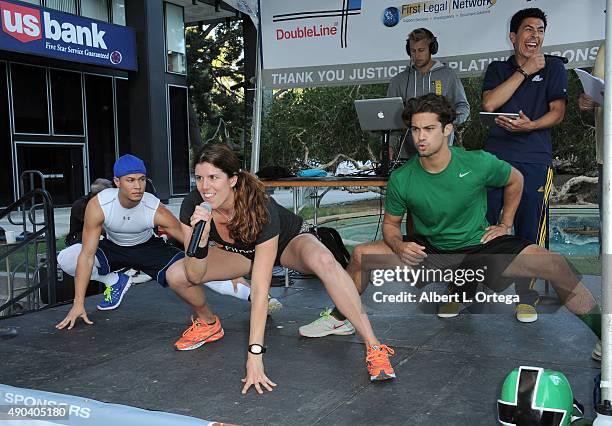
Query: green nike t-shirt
(448, 208)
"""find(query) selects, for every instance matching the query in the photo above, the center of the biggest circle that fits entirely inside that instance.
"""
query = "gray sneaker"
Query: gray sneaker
(596, 354)
(326, 325)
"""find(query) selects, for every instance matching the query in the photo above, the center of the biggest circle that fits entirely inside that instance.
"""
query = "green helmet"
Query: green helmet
(533, 396)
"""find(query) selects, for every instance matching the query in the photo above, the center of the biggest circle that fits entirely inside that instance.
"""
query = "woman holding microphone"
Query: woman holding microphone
(246, 231)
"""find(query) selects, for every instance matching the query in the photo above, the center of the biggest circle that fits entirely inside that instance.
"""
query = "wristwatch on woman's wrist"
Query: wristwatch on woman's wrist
(257, 349)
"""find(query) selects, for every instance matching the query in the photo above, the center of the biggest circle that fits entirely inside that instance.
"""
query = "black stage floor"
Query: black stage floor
(449, 372)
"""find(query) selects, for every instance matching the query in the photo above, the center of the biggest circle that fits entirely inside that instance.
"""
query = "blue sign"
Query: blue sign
(40, 31)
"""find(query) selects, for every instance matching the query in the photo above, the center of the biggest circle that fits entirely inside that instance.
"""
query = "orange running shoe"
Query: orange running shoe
(378, 363)
(198, 334)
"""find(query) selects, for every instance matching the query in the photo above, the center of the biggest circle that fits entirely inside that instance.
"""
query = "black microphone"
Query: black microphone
(197, 232)
(561, 58)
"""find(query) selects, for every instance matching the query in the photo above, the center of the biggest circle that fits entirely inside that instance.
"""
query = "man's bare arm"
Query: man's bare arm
(512, 198)
(94, 219)
(554, 116)
(409, 252)
(495, 98)
(165, 219)
(392, 231)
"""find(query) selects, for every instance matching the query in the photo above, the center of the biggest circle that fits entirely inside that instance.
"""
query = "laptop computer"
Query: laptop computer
(383, 114)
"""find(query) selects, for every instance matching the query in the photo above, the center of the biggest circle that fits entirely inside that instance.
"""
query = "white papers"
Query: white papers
(593, 86)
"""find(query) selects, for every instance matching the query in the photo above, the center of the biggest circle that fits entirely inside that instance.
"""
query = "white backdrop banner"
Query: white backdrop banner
(343, 42)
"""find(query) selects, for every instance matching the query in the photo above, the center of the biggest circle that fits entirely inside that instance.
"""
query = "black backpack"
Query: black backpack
(333, 241)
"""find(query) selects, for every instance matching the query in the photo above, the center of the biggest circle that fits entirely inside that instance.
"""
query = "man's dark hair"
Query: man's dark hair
(429, 103)
(521, 15)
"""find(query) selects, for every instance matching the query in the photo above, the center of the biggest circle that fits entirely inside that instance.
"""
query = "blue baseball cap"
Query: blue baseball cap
(128, 164)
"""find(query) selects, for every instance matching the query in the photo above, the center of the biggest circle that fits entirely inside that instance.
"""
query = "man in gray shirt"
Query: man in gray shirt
(427, 75)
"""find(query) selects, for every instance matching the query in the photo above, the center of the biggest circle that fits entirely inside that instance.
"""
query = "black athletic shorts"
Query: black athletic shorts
(153, 257)
(493, 258)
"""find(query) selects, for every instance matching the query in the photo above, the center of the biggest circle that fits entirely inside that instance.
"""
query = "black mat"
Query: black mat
(449, 371)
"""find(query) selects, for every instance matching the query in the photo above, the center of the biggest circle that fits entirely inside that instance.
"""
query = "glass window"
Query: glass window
(179, 139)
(30, 110)
(66, 102)
(68, 6)
(95, 9)
(100, 126)
(122, 94)
(175, 38)
(32, 1)
(6, 163)
(118, 7)
(61, 165)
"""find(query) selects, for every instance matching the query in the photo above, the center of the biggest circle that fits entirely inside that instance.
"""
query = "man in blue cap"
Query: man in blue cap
(128, 215)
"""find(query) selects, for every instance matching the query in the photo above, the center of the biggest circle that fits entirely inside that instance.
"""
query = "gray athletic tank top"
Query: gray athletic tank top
(127, 227)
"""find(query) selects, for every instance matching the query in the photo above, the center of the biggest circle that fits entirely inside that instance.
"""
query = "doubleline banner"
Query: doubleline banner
(40, 31)
(342, 42)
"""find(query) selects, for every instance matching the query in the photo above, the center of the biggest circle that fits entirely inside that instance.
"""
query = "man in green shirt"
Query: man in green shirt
(444, 192)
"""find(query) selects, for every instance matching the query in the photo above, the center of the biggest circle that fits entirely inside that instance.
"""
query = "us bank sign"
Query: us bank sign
(46, 32)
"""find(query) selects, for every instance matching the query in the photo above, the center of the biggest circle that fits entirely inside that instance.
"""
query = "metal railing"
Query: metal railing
(35, 271)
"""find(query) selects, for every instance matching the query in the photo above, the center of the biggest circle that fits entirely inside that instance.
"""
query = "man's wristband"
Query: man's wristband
(201, 252)
(522, 71)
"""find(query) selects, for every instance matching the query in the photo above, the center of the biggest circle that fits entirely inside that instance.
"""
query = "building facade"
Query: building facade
(85, 81)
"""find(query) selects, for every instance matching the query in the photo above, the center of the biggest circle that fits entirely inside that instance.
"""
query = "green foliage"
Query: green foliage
(317, 124)
(308, 127)
(472, 133)
(215, 62)
(574, 138)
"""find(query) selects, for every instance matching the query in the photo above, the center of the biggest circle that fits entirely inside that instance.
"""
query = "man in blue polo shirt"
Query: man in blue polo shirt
(535, 87)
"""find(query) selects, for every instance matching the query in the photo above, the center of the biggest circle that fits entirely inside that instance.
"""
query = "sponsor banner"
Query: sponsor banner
(578, 54)
(40, 31)
(367, 39)
(34, 407)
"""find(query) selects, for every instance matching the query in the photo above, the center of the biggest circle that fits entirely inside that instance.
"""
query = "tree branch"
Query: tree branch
(207, 30)
(558, 196)
(337, 158)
